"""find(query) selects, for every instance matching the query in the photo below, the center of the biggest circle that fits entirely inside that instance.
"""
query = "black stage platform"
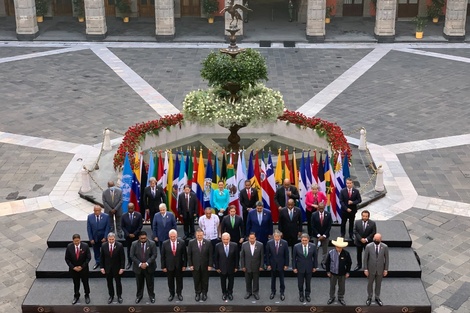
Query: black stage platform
(398, 294)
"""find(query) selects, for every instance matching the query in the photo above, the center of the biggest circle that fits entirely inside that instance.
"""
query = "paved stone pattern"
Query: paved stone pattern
(441, 241)
(29, 172)
(14, 51)
(405, 97)
(440, 173)
(298, 73)
(71, 97)
(457, 52)
(23, 238)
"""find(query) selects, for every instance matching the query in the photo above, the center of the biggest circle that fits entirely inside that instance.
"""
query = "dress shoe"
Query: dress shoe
(152, 300)
(342, 301)
(204, 297)
(230, 296)
(110, 300)
(301, 298)
(323, 266)
(180, 297)
(271, 296)
(224, 297)
(379, 302)
(96, 266)
(308, 299)
(129, 265)
(248, 295)
(357, 268)
(119, 299)
(330, 301)
(171, 297)
(137, 300)
(75, 300)
(197, 297)
(256, 296)
(283, 297)
(368, 301)
(87, 299)
(120, 235)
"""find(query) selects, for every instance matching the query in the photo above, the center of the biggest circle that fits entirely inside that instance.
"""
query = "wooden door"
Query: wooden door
(110, 7)
(63, 7)
(407, 8)
(190, 7)
(147, 8)
(353, 7)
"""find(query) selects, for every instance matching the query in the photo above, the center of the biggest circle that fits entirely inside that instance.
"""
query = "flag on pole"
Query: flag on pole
(264, 184)
(250, 174)
(321, 174)
(190, 170)
(143, 179)
(151, 168)
(171, 175)
(270, 188)
(278, 172)
(135, 191)
(257, 176)
(208, 182)
(241, 177)
(287, 169)
(126, 183)
(165, 173)
(294, 174)
(327, 173)
(200, 184)
(308, 172)
(160, 170)
(315, 168)
(175, 185)
(232, 184)
(223, 172)
(183, 176)
(346, 173)
(303, 187)
(216, 172)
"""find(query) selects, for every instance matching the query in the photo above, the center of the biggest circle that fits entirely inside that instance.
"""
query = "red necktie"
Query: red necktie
(77, 252)
(249, 194)
(111, 250)
(174, 248)
(349, 193)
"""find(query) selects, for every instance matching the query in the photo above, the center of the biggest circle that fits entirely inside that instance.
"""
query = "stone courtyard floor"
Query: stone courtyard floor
(57, 98)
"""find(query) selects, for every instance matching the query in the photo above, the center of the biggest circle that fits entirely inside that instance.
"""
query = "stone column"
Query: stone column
(164, 20)
(95, 19)
(385, 20)
(456, 14)
(228, 19)
(26, 23)
(316, 20)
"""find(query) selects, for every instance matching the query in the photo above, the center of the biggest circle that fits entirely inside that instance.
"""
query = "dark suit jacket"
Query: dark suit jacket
(376, 264)
(360, 232)
(345, 262)
(262, 231)
(224, 264)
(252, 263)
(290, 229)
(112, 264)
(280, 196)
(300, 262)
(150, 202)
(100, 230)
(245, 202)
(279, 260)
(150, 255)
(183, 204)
(174, 262)
(133, 227)
(111, 203)
(318, 228)
(83, 259)
(200, 259)
(161, 229)
(236, 232)
(355, 198)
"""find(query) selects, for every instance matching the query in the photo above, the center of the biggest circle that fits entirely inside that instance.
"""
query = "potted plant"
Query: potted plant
(79, 10)
(328, 11)
(125, 9)
(435, 10)
(420, 23)
(42, 6)
(210, 6)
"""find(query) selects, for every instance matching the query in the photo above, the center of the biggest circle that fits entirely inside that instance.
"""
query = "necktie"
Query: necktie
(174, 248)
(232, 221)
(260, 218)
(226, 251)
(377, 250)
(77, 252)
(321, 218)
(153, 192)
(164, 219)
(97, 219)
(187, 201)
(143, 253)
(305, 251)
(249, 194)
(132, 217)
(287, 197)
(111, 250)
(277, 247)
(349, 193)
(112, 196)
(200, 246)
(365, 225)
(290, 214)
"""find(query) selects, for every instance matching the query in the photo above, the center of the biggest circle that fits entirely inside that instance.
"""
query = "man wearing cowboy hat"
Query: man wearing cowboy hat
(338, 265)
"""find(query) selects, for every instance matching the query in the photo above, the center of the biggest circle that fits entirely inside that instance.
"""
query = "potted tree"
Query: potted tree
(42, 6)
(125, 9)
(435, 10)
(210, 6)
(328, 11)
(420, 23)
(79, 9)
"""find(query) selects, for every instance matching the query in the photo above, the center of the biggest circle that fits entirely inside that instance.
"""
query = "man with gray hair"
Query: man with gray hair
(163, 222)
(174, 260)
(112, 262)
(153, 197)
(112, 202)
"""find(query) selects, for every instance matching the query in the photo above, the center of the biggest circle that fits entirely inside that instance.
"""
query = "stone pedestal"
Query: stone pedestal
(385, 20)
(456, 14)
(228, 19)
(164, 20)
(316, 20)
(95, 18)
(26, 24)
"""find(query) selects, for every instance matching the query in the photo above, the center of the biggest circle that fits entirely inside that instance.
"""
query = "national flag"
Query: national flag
(223, 171)
(143, 179)
(241, 176)
(287, 169)
(171, 175)
(257, 176)
(315, 168)
(183, 176)
(200, 184)
(165, 173)
(135, 191)
(216, 172)
(346, 173)
(151, 169)
(278, 172)
(295, 173)
(326, 170)
(195, 168)
(161, 169)
(270, 188)
(250, 174)
(321, 174)
(154, 172)
(303, 187)
(208, 181)
(308, 172)
(232, 184)
(189, 169)
(126, 183)
(264, 183)
(174, 185)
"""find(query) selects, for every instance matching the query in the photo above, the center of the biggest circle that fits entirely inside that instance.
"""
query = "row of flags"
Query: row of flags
(175, 170)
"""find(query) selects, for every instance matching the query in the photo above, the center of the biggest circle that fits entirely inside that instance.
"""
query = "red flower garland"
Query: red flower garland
(135, 134)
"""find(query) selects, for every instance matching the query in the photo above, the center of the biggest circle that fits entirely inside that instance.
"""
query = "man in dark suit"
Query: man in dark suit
(349, 198)
(112, 262)
(233, 224)
(338, 266)
(163, 222)
(252, 260)
(97, 227)
(284, 193)
(153, 197)
(277, 256)
(77, 257)
(260, 222)
(187, 208)
(375, 267)
(144, 256)
(226, 258)
(290, 223)
(112, 202)
(364, 231)
(248, 198)
(200, 263)
(174, 260)
(304, 263)
(131, 225)
(321, 226)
